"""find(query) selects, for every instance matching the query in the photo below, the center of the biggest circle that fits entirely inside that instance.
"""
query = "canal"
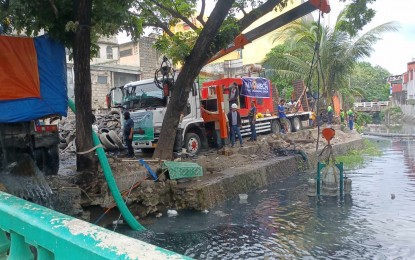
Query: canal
(279, 221)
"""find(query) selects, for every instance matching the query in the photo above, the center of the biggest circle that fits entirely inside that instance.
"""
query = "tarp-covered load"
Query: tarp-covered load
(32, 78)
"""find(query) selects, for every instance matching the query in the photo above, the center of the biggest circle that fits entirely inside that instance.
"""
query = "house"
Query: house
(409, 83)
(141, 54)
(115, 65)
(243, 60)
(396, 90)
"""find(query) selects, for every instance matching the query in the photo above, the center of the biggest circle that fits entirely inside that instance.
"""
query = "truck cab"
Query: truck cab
(147, 105)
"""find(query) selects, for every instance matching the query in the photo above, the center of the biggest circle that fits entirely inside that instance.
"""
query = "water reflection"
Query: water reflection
(281, 222)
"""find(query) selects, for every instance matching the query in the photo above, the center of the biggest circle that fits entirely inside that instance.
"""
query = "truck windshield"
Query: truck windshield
(146, 95)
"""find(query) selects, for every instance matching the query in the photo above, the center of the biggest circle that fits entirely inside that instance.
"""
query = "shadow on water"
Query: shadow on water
(23, 179)
(281, 222)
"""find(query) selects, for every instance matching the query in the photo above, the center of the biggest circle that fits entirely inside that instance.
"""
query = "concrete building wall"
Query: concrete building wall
(399, 98)
(101, 85)
(408, 110)
(149, 57)
(116, 65)
(410, 90)
(129, 54)
(410, 82)
(141, 54)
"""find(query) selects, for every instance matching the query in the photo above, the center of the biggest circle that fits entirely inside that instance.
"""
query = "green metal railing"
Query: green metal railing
(54, 235)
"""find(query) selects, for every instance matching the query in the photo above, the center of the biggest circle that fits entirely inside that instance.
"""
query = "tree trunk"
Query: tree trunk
(83, 90)
(199, 56)
(205, 47)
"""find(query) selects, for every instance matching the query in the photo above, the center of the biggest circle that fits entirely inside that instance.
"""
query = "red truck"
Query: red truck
(250, 88)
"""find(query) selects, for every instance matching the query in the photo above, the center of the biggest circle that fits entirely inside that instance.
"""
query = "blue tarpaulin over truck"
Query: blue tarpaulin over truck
(32, 78)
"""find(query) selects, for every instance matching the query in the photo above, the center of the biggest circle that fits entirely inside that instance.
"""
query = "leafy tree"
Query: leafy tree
(284, 84)
(195, 48)
(192, 49)
(371, 81)
(339, 52)
(363, 118)
(78, 24)
(357, 15)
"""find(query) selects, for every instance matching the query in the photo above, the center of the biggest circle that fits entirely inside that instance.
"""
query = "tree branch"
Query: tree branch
(241, 8)
(55, 10)
(175, 14)
(255, 14)
(158, 23)
(202, 13)
(207, 35)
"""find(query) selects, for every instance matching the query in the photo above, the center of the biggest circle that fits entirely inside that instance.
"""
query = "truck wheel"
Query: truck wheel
(192, 143)
(296, 124)
(147, 150)
(51, 160)
(285, 121)
(275, 126)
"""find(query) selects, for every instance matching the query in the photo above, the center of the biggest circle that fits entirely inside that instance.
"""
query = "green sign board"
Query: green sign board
(143, 126)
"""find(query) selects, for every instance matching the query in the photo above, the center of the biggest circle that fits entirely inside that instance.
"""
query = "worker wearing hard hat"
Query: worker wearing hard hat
(235, 123)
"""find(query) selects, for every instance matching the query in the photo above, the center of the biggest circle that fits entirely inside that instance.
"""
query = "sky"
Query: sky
(395, 49)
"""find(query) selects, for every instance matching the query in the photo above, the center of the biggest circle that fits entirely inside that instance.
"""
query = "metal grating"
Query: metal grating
(179, 170)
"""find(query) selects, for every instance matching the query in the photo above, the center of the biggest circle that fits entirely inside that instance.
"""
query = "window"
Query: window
(127, 52)
(102, 79)
(109, 53)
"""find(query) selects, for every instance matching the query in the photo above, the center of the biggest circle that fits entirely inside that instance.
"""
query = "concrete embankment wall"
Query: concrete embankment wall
(409, 113)
(241, 180)
(151, 197)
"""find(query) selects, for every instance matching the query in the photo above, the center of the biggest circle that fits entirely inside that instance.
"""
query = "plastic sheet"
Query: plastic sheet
(53, 100)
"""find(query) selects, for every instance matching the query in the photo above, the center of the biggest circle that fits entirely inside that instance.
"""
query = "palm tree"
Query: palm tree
(338, 53)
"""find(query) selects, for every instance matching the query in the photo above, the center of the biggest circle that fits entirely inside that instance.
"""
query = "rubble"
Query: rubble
(107, 126)
(154, 198)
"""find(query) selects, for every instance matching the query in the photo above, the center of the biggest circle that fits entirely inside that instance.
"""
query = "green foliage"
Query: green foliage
(357, 15)
(280, 67)
(227, 32)
(178, 46)
(356, 158)
(369, 83)
(57, 19)
(392, 115)
(363, 119)
(339, 53)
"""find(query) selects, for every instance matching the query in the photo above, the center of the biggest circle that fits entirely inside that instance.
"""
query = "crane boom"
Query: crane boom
(287, 17)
